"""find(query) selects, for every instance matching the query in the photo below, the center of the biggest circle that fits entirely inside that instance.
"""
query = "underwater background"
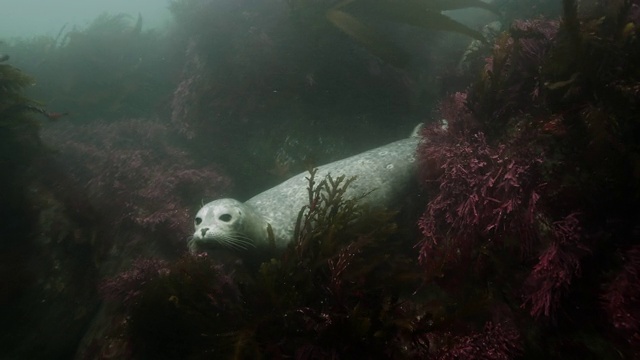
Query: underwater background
(519, 240)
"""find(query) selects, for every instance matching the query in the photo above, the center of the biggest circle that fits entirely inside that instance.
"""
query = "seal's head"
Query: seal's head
(230, 224)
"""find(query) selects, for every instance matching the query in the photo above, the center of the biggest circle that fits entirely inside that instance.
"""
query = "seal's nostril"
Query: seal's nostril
(204, 231)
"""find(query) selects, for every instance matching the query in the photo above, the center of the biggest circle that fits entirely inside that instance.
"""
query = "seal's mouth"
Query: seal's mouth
(222, 253)
(220, 243)
(214, 237)
(200, 244)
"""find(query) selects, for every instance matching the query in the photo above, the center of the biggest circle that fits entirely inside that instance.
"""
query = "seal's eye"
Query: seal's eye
(225, 217)
(198, 221)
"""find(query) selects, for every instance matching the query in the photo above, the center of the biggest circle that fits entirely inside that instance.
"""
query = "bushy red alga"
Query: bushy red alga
(532, 184)
(135, 172)
(484, 193)
(621, 298)
(496, 341)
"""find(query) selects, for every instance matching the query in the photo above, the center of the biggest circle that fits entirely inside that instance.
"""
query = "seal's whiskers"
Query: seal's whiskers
(235, 241)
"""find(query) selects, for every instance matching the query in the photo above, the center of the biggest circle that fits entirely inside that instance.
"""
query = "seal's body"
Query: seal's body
(384, 174)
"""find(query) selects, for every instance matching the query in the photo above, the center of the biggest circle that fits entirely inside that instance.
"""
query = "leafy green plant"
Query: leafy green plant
(12, 100)
(18, 129)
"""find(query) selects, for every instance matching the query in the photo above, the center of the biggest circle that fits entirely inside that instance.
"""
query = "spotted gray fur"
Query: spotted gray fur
(385, 174)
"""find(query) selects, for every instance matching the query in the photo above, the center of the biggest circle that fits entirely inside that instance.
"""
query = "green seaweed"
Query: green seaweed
(19, 136)
(12, 100)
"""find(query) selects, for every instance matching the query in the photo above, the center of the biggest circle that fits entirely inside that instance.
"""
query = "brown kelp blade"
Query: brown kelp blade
(342, 4)
(420, 13)
(368, 37)
(443, 5)
(430, 20)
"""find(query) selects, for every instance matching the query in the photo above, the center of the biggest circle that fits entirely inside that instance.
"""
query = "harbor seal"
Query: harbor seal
(384, 174)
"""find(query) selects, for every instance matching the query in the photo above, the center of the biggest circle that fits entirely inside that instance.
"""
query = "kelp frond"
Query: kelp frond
(443, 5)
(423, 14)
(352, 16)
(370, 38)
